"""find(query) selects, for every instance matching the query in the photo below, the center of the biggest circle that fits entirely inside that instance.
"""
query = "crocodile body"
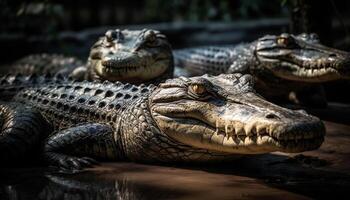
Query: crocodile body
(280, 64)
(45, 64)
(133, 56)
(198, 119)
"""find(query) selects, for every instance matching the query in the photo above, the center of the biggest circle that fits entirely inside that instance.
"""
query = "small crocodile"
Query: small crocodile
(197, 119)
(134, 56)
(280, 63)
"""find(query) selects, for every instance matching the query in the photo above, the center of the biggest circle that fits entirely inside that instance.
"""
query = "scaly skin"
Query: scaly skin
(45, 64)
(198, 119)
(133, 56)
(280, 64)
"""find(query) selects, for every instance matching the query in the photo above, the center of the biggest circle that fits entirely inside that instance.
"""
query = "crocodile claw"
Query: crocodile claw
(75, 163)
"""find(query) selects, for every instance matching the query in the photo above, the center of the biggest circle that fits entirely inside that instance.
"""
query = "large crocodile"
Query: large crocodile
(281, 64)
(204, 118)
(134, 56)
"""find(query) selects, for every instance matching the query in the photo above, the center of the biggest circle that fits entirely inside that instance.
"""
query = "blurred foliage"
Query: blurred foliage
(211, 10)
(41, 16)
(49, 16)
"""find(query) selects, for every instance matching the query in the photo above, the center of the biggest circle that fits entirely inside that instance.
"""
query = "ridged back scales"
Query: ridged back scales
(69, 102)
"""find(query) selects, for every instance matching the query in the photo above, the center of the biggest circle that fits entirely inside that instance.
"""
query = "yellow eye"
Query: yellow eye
(282, 41)
(198, 89)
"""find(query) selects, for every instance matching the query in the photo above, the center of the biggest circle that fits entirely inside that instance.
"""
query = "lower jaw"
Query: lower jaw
(315, 76)
(312, 78)
(260, 146)
(300, 145)
(118, 75)
(123, 74)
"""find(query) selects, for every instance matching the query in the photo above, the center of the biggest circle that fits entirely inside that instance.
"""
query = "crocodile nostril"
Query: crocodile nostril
(271, 116)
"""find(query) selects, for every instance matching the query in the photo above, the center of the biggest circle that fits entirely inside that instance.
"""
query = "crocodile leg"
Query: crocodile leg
(22, 131)
(74, 148)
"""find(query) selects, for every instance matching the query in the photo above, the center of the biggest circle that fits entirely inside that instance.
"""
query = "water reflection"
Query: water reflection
(321, 174)
(134, 181)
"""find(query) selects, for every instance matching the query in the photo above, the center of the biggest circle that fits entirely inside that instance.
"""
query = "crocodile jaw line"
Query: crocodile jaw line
(239, 138)
(307, 74)
(131, 72)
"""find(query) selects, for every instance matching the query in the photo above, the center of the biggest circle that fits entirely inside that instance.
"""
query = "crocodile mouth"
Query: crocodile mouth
(126, 71)
(120, 69)
(311, 69)
(308, 71)
(240, 138)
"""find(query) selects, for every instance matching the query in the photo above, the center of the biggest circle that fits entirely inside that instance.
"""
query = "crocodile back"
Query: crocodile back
(71, 102)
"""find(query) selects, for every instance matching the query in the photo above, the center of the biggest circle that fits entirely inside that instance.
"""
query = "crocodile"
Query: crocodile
(282, 65)
(135, 56)
(198, 119)
(45, 64)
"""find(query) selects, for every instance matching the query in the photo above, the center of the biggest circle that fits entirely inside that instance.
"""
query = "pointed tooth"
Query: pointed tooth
(217, 139)
(229, 141)
(248, 141)
(239, 130)
(217, 126)
(248, 129)
(230, 130)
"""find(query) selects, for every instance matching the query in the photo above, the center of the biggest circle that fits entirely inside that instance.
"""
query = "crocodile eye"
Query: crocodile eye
(198, 89)
(314, 37)
(111, 35)
(282, 41)
(151, 38)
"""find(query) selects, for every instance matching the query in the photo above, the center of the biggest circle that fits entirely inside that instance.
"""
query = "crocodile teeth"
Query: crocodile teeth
(248, 141)
(248, 129)
(229, 130)
(229, 141)
(239, 129)
(261, 130)
(217, 138)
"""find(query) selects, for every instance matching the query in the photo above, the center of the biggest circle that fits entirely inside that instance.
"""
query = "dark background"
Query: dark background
(29, 26)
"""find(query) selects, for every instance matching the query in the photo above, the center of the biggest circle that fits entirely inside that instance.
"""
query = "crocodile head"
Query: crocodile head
(301, 58)
(224, 114)
(131, 55)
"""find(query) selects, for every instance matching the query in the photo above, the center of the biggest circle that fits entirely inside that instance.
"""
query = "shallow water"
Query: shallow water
(134, 181)
(317, 174)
